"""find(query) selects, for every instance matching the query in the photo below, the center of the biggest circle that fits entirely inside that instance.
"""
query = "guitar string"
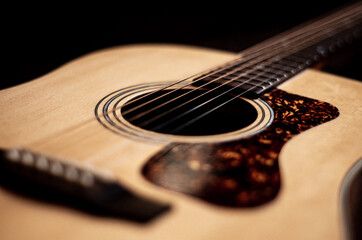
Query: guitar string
(113, 164)
(317, 25)
(58, 135)
(236, 69)
(272, 60)
(165, 123)
(266, 62)
(210, 73)
(184, 125)
(185, 113)
(319, 21)
(273, 41)
(116, 165)
(203, 114)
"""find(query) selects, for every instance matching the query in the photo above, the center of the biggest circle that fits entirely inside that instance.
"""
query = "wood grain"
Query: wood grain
(54, 115)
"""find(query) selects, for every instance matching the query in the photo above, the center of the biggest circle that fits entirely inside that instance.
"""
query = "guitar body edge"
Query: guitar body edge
(54, 115)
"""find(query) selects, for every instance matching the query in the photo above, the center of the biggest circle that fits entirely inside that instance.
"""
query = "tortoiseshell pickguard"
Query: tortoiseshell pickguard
(244, 172)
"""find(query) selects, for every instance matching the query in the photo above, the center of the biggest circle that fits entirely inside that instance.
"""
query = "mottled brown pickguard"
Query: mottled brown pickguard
(240, 173)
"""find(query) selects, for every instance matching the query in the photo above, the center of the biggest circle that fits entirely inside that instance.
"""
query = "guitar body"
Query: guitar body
(54, 115)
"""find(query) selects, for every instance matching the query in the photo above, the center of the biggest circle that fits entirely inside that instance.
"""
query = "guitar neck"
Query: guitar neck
(268, 64)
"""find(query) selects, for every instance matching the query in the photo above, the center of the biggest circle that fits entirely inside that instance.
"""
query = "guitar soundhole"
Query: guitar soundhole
(154, 112)
(189, 112)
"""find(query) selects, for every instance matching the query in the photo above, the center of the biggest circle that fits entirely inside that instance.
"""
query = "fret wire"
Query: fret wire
(297, 59)
(289, 63)
(274, 71)
(255, 82)
(267, 75)
(260, 78)
(281, 67)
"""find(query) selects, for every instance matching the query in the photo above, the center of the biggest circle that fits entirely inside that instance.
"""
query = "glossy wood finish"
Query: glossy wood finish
(54, 115)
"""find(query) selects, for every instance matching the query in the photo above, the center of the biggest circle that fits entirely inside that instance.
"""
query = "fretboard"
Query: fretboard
(266, 65)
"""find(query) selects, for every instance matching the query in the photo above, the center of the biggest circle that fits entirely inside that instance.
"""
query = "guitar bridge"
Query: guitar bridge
(96, 192)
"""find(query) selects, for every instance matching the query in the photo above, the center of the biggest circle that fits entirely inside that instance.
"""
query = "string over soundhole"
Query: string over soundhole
(179, 113)
(185, 114)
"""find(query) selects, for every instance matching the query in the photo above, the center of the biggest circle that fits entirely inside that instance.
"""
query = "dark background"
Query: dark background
(38, 39)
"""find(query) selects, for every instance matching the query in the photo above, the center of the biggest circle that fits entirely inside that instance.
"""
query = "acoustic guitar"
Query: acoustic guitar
(177, 142)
